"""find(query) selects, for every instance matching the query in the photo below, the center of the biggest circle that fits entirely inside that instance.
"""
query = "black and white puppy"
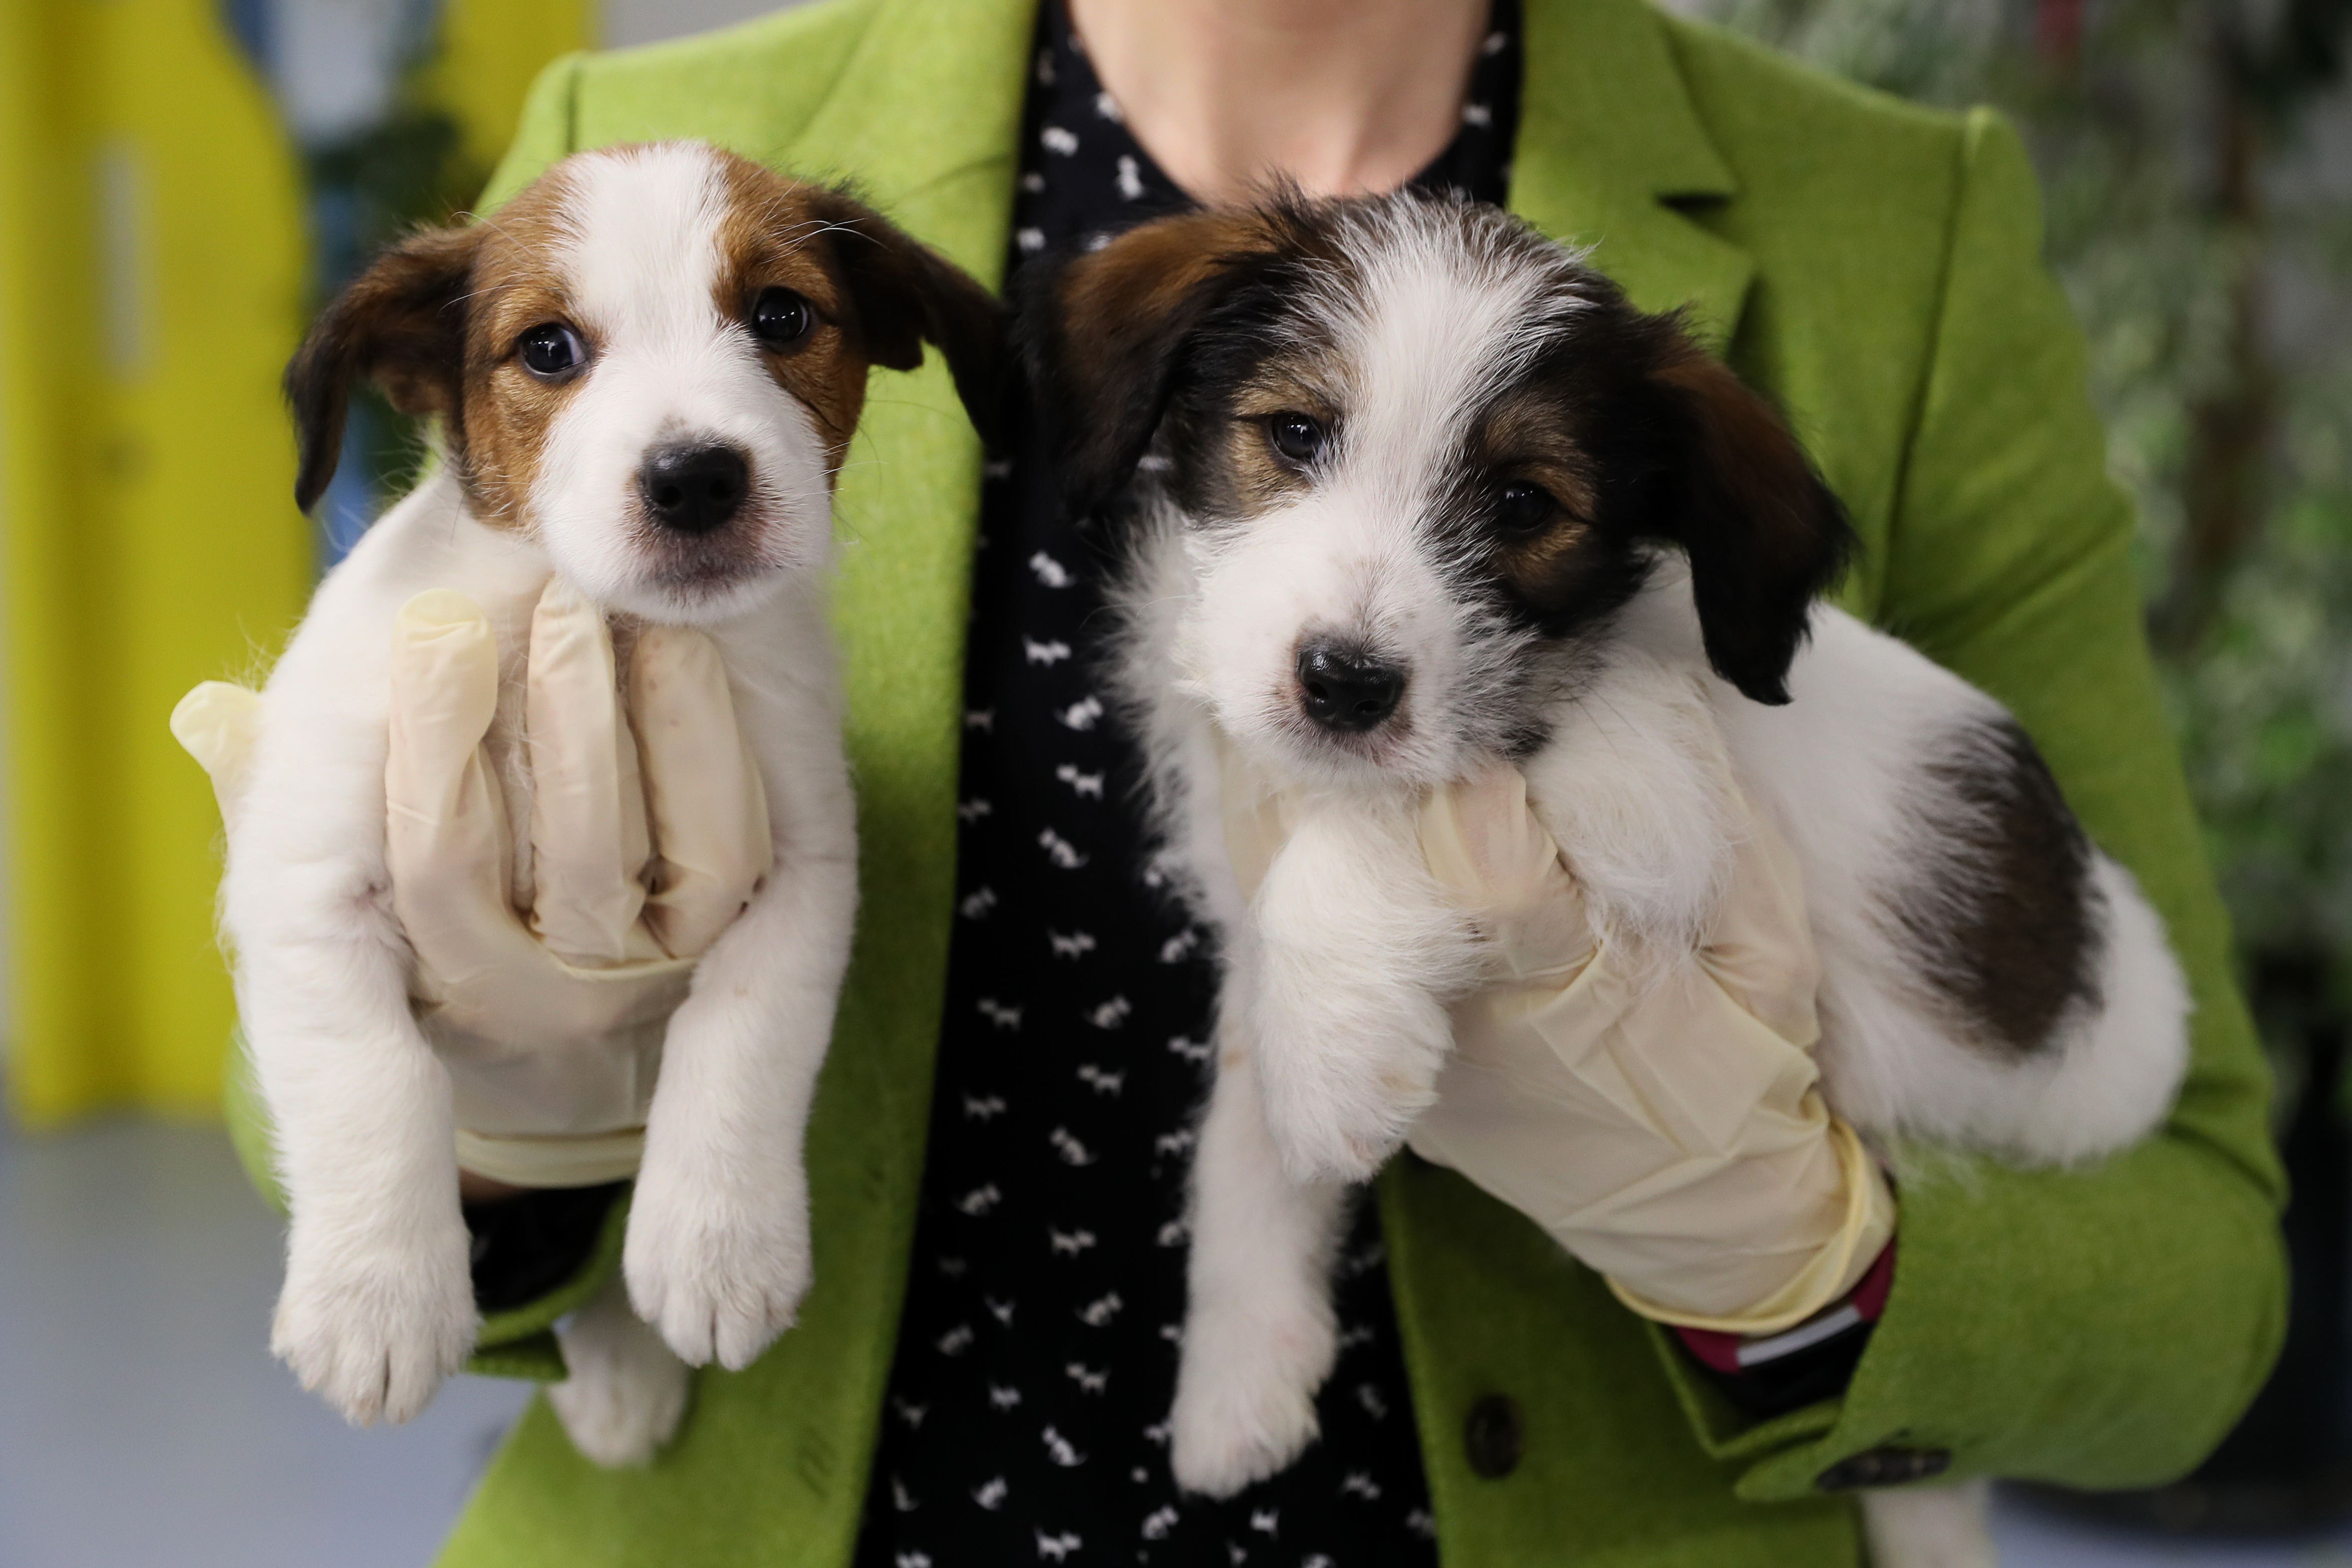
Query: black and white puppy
(1406, 488)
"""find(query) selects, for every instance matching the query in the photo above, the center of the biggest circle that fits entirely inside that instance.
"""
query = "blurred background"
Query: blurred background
(182, 181)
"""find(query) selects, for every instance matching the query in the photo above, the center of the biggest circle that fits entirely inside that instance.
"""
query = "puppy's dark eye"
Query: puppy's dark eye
(551, 349)
(780, 317)
(1522, 508)
(1297, 438)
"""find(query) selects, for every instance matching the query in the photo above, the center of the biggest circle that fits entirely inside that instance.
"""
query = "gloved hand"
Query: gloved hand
(546, 977)
(1668, 1133)
(1665, 1127)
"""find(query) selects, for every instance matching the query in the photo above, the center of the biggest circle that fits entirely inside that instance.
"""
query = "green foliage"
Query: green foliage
(2265, 703)
(2193, 225)
(406, 170)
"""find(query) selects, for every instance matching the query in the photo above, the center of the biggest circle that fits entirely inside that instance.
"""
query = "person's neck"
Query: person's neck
(1340, 97)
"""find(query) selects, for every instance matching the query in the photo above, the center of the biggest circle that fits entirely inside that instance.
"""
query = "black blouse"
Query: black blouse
(1036, 1358)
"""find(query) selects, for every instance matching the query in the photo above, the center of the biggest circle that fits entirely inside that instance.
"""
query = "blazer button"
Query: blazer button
(1886, 1466)
(1493, 1437)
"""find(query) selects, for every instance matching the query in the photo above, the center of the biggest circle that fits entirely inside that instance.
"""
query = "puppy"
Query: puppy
(646, 370)
(1405, 489)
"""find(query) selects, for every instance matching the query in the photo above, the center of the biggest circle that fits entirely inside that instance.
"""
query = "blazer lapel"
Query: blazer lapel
(1610, 147)
(923, 119)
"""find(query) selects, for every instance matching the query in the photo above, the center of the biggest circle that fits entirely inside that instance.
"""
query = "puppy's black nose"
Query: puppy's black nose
(1346, 691)
(694, 489)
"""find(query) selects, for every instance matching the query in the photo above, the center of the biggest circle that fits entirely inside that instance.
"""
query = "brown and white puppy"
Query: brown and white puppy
(647, 368)
(1405, 489)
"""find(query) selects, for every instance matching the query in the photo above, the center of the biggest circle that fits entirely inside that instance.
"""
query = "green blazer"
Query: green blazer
(1874, 268)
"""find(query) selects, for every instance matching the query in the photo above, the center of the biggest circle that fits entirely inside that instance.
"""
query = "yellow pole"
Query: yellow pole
(151, 288)
(491, 52)
(47, 244)
(151, 285)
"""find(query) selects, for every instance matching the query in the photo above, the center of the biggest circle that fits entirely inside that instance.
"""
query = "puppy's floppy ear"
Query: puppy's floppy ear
(402, 323)
(1764, 534)
(905, 294)
(1102, 335)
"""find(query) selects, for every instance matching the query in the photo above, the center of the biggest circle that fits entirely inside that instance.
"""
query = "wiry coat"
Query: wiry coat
(1406, 489)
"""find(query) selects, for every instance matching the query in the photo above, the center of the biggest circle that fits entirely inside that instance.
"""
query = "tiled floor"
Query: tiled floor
(142, 1424)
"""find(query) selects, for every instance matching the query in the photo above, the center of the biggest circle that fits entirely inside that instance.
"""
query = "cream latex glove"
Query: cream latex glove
(1670, 1134)
(546, 981)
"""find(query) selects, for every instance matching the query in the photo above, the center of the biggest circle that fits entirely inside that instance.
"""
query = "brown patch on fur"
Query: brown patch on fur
(1528, 432)
(1752, 455)
(402, 323)
(1253, 477)
(1108, 344)
(438, 322)
(2013, 934)
(898, 294)
(1527, 438)
(434, 321)
(878, 294)
(1548, 568)
(1116, 298)
(499, 431)
(1249, 479)
(772, 237)
(1763, 533)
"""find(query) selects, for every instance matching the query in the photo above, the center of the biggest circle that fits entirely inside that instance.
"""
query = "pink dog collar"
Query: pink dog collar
(1733, 1354)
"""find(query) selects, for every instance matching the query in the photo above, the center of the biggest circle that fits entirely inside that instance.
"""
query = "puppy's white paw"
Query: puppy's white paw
(1245, 1394)
(718, 1272)
(1344, 990)
(624, 1393)
(372, 1326)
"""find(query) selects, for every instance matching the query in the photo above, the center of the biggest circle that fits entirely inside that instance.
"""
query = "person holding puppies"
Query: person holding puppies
(982, 1370)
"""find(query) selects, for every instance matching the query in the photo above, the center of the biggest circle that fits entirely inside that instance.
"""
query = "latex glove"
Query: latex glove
(644, 843)
(1669, 1132)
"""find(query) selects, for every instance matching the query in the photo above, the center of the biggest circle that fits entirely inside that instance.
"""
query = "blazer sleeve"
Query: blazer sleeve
(2104, 1326)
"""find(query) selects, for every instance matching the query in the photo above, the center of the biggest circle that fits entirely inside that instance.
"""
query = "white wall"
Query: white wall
(644, 21)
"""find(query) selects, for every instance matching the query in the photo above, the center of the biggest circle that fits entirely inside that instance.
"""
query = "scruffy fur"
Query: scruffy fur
(654, 257)
(1415, 435)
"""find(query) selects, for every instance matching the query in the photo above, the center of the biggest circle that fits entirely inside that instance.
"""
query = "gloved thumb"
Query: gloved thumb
(1481, 840)
(217, 724)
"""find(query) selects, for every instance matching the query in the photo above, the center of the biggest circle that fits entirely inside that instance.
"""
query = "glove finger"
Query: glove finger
(445, 840)
(1257, 817)
(588, 838)
(713, 845)
(217, 724)
(1482, 840)
(1761, 950)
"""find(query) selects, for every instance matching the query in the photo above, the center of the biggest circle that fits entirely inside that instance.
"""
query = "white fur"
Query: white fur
(641, 259)
(1840, 770)
(624, 1394)
(377, 1307)
(1332, 1010)
(1260, 1335)
(1355, 952)
(1351, 556)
